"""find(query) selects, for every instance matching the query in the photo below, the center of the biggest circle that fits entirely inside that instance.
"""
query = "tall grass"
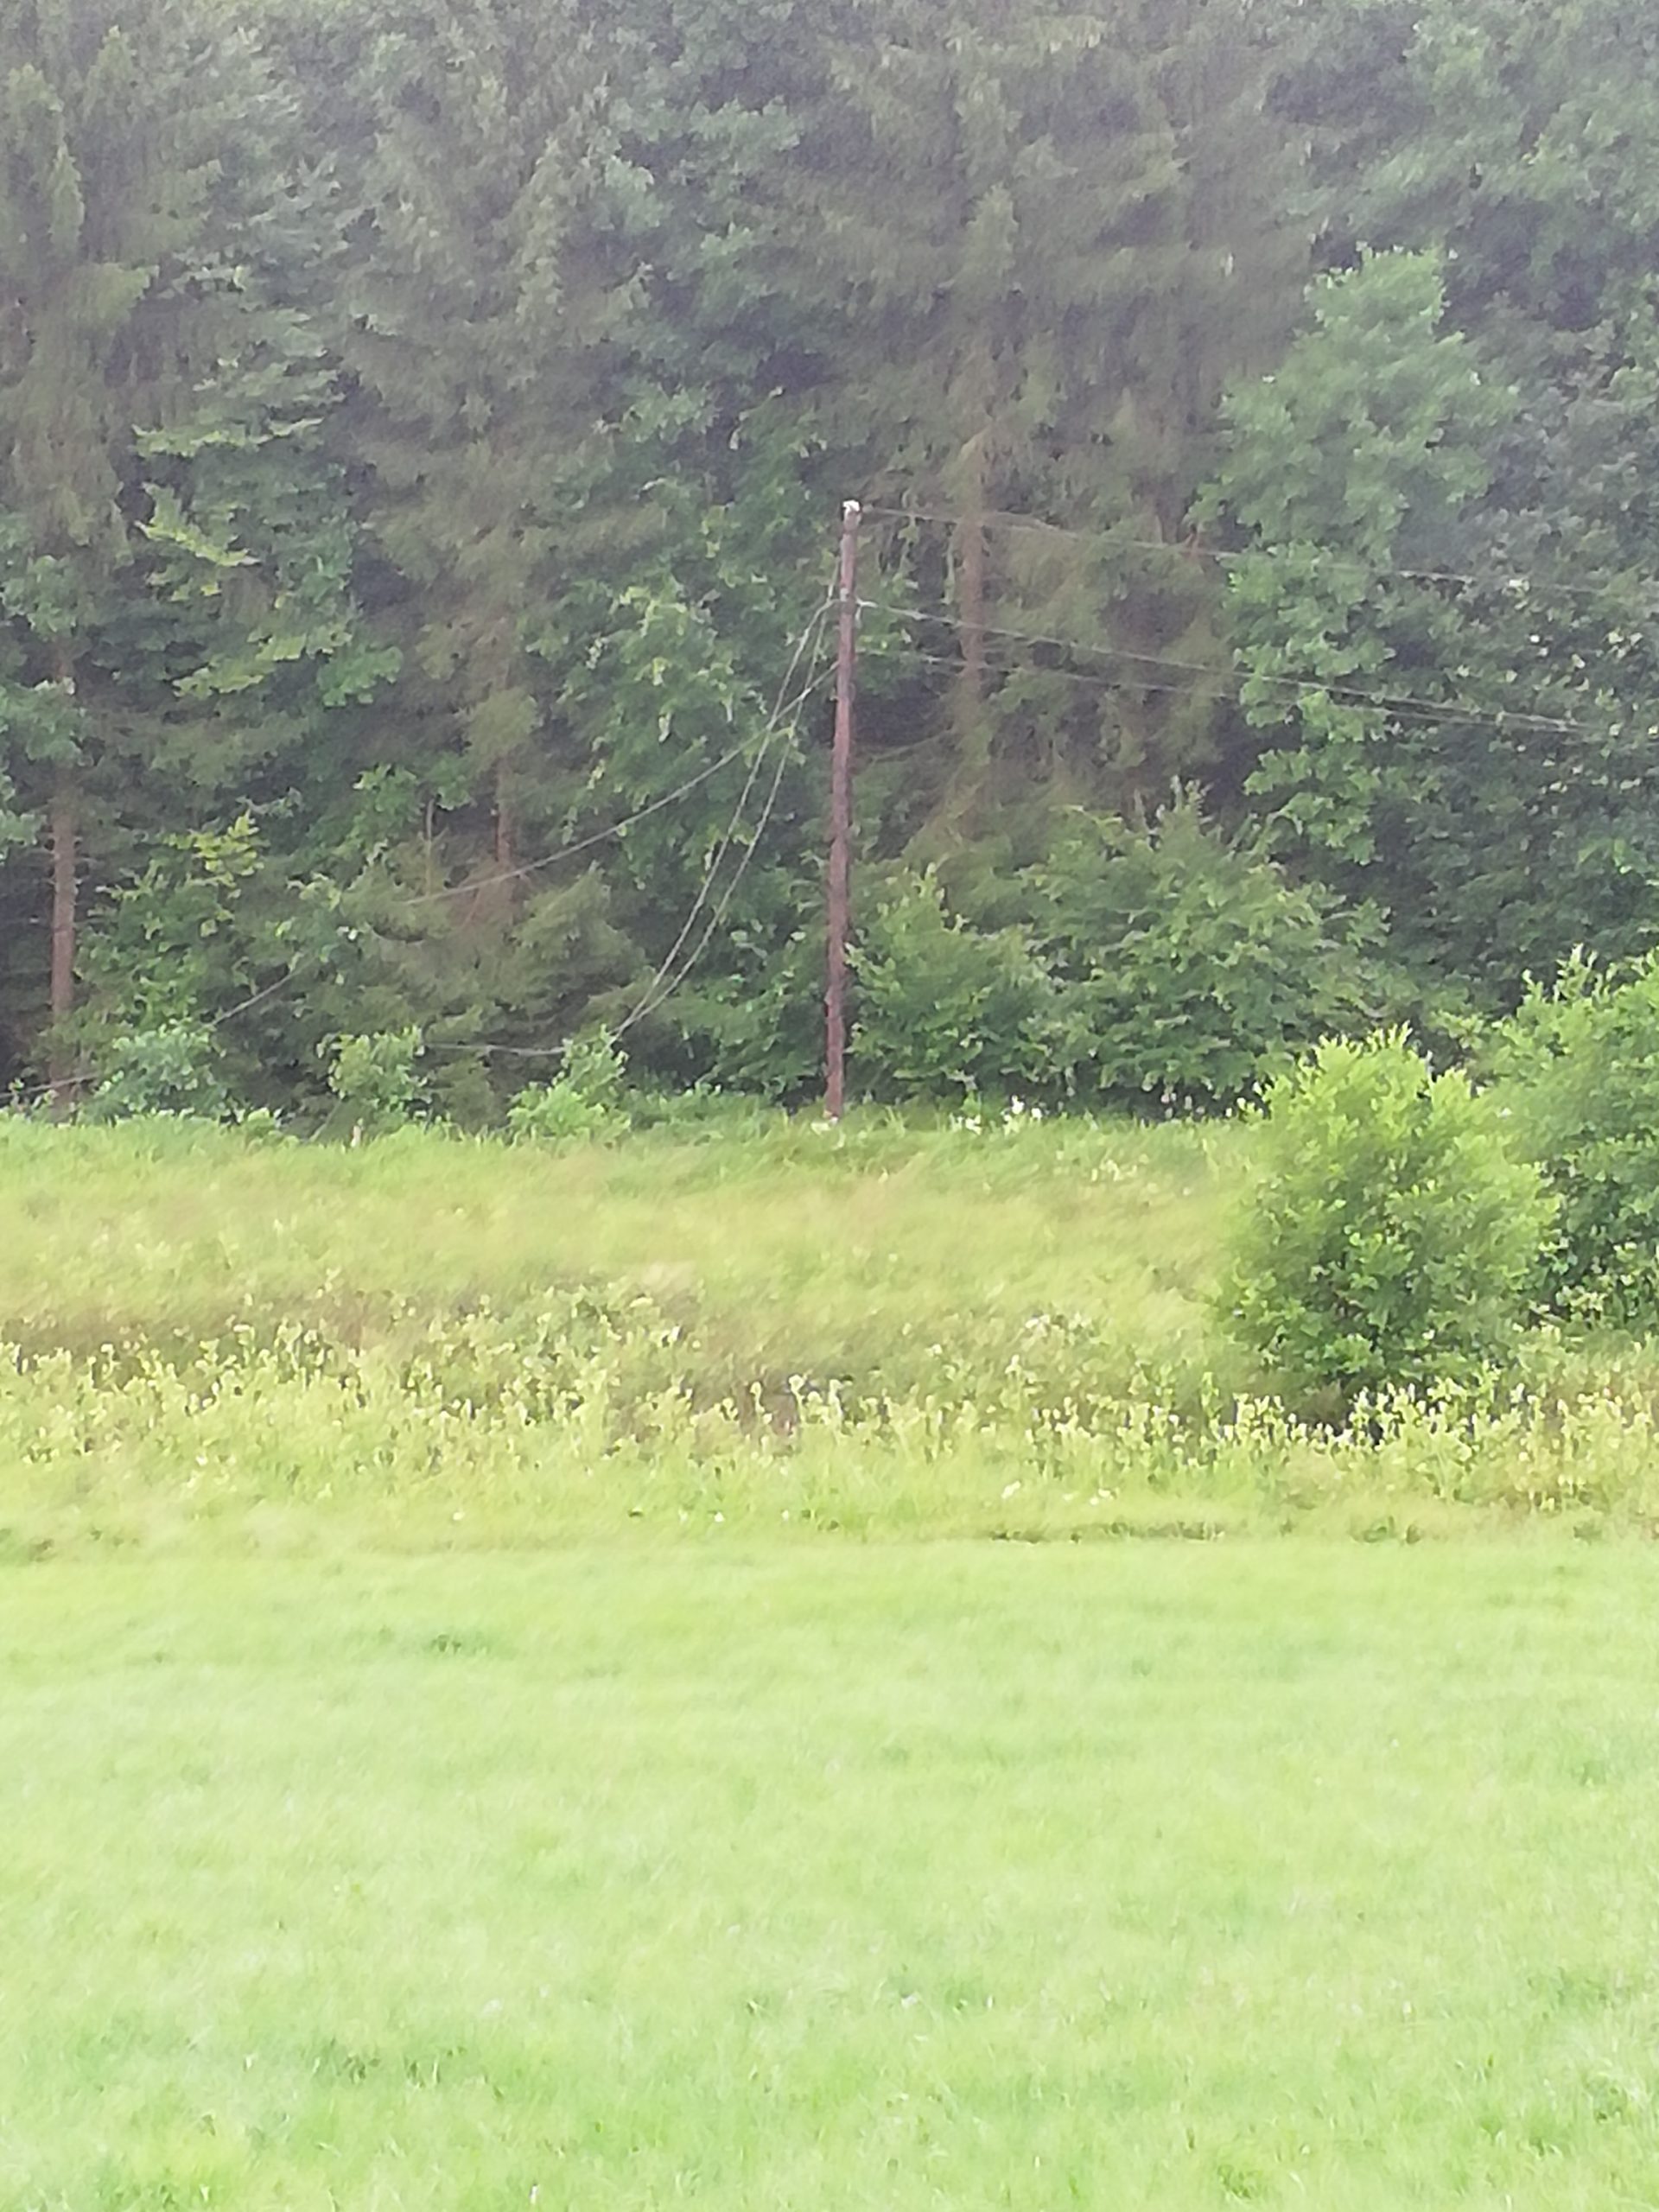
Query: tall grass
(845, 1255)
(879, 1331)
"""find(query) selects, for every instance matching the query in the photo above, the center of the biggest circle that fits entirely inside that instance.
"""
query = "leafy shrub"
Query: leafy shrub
(258, 1124)
(1577, 1068)
(1184, 960)
(945, 1008)
(755, 1024)
(585, 1100)
(374, 1077)
(171, 1069)
(553, 1113)
(171, 943)
(701, 1111)
(1392, 1237)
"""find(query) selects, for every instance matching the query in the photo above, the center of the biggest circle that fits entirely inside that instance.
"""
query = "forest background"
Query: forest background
(424, 426)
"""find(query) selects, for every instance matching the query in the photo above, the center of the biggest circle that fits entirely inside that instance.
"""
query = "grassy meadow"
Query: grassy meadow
(506, 1697)
(434, 1335)
(791, 1247)
(1010, 1330)
(1163, 1876)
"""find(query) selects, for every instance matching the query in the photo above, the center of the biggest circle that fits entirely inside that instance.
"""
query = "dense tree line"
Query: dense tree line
(423, 428)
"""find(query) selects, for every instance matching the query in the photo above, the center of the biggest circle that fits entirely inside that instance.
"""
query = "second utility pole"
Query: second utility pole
(840, 823)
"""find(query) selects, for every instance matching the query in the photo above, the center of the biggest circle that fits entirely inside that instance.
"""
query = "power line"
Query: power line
(475, 884)
(808, 636)
(1460, 718)
(1088, 679)
(257, 998)
(640, 814)
(1507, 579)
(78, 1083)
(662, 984)
(654, 996)
(1440, 711)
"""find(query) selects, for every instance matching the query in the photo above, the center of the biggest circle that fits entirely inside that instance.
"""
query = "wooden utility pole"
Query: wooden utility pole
(840, 823)
(61, 998)
(63, 830)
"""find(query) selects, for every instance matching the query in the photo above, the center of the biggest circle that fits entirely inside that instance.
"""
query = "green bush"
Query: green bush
(700, 1111)
(944, 1009)
(374, 1077)
(553, 1113)
(1576, 1068)
(1391, 1239)
(168, 1069)
(585, 1100)
(755, 1024)
(1185, 962)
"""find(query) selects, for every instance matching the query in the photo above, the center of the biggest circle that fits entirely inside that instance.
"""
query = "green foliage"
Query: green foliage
(177, 607)
(1443, 601)
(1157, 965)
(586, 1100)
(1360, 454)
(1391, 1237)
(1185, 962)
(596, 1069)
(944, 1008)
(554, 1113)
(171, 1069)
(162, 953)
(1042, 238)
(702, 1114)
(878, 1327)
(420, 439)
(756, 1023)
(375, 1078)
(1577, 1066)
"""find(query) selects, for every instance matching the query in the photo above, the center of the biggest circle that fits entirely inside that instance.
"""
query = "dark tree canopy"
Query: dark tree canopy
(422, 431)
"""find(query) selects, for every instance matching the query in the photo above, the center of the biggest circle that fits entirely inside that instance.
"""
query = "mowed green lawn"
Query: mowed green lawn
(1289, 1874)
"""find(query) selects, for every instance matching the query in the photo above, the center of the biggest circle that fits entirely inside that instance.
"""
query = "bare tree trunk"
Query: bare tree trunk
(970, 617)
(63, 828)
(506, 827)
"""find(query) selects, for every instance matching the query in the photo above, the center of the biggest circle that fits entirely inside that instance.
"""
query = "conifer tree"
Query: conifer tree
(1044, 235)
(582, 479)
(174, 557)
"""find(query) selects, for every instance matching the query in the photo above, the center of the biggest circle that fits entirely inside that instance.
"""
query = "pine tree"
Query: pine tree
(172, 541)
(1044, 236)
(583, 488)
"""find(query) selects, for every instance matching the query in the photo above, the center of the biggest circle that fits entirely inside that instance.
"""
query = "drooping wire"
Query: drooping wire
(808, 640)
(475, 884)
(666, 981)
(661, 985)
(1436, 711)
(1507, 580)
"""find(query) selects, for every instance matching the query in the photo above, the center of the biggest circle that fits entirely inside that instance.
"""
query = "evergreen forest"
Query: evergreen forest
(424, 426)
